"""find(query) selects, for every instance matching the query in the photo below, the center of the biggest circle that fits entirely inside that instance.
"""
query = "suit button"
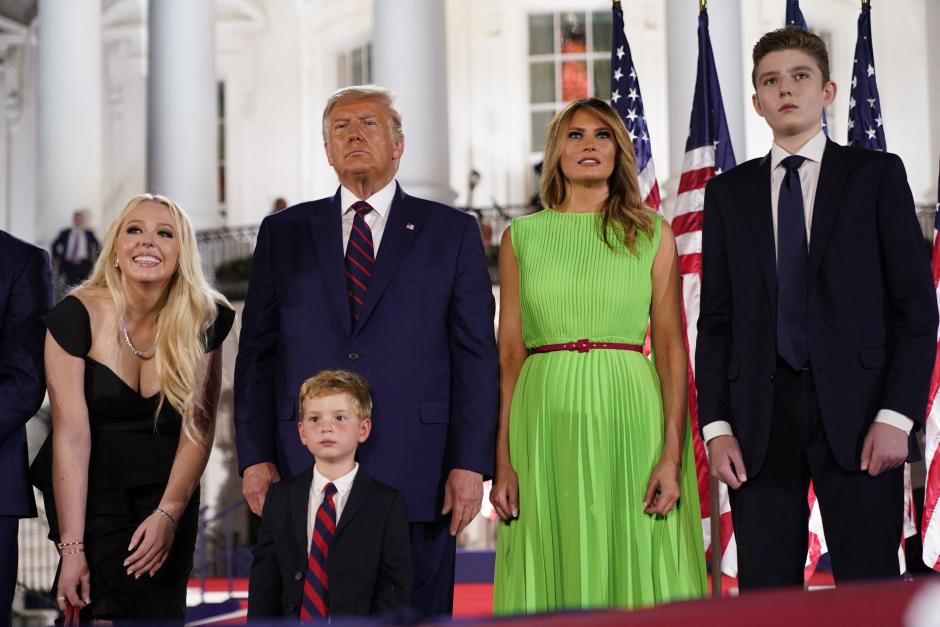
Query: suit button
(292, 606)
(771, 377)
(353, 356)
(298, 576)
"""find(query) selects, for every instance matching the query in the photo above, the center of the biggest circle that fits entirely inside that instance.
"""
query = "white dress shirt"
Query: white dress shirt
(343, 486)
(79, 240)
(381, 202)
(809, 176)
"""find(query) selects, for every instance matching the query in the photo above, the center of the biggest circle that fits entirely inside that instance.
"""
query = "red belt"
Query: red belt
(583, 346)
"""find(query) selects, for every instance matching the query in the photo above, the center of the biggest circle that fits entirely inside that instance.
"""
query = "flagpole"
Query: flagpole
(702, 5)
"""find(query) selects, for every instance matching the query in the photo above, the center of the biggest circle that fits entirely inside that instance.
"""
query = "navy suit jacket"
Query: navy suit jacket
(424, 341)
(369, 564)
(25, 295)
(872, 311)
(60, 244)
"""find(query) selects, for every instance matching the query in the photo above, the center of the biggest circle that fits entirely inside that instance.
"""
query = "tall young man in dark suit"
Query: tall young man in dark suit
(396, 289)
(817, 332)
(25, 295)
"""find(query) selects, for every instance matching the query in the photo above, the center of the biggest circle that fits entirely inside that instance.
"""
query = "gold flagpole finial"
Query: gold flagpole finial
(866, 3)
(616, 4)
(702, 5)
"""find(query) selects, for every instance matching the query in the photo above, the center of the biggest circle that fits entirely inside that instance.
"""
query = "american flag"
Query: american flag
(795, 18)
(708, 152)
(865, 124)
(931, 523)
(626, 99)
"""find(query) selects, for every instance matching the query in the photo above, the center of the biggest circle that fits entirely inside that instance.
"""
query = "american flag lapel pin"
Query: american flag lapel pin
(409, 226)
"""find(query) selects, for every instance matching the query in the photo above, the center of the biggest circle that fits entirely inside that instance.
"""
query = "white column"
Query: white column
(182, 132)
(931, 24)
(682, 48)
(409, 56)
(70, 113)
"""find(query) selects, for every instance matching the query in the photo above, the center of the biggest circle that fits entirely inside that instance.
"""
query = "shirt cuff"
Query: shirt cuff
(895, 419)
(713, 429)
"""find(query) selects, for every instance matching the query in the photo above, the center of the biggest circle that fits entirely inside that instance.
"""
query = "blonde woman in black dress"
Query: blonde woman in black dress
(133, 366)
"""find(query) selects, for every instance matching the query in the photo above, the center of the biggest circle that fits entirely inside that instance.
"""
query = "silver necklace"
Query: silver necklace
(127, 340)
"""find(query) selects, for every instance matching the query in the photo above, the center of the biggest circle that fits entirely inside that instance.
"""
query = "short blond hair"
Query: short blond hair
(327, 382)
(377, 93)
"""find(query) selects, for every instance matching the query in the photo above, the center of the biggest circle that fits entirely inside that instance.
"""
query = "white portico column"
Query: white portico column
(409, 56)
(181, 108)
(724, 19)
(70, 113)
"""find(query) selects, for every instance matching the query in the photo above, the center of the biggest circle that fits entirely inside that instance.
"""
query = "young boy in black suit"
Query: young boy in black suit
(816, 334)
(333, 541)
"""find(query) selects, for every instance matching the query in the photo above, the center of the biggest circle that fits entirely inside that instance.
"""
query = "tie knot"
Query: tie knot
(362, 207)
(793, 162)
(329, 489)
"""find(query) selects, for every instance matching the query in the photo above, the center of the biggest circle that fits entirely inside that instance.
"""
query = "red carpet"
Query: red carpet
(857, 605)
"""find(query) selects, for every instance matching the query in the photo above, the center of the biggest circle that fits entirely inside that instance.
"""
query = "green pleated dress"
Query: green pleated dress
(586, 430)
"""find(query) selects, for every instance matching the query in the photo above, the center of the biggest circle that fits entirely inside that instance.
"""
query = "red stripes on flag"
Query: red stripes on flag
(931, 521)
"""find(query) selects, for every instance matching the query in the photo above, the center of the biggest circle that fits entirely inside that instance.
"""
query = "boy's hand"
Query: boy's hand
(255, 483)
(463, 496)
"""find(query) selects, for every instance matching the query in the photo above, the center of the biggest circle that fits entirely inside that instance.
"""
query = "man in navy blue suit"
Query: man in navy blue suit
(817, 332)
(396, 289)
(25, 295)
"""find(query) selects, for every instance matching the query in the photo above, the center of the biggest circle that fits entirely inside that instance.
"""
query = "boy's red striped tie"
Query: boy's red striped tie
(315, 604)
(360, 257)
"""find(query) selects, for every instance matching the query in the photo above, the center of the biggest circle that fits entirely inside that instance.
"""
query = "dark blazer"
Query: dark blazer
(25, 295)
(872, 311)
(424, 341)
(60, 245)
(369, 565)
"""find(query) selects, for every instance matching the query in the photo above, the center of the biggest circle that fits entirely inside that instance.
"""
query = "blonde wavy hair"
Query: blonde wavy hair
(624, 214)
(182, 324)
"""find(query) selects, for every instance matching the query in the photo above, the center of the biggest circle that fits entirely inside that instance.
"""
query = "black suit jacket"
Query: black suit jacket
(872, 312)
(25, 295)
(369, 565)
(61, 242)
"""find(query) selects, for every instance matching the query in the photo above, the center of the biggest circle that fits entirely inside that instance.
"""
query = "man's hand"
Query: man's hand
(726, 462)
(255, 483)
(884, 448)
(463, 496)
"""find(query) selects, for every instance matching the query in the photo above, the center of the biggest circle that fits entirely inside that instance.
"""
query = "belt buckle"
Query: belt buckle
(582, 346)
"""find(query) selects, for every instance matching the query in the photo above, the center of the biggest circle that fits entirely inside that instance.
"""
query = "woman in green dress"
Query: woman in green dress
(595, 481)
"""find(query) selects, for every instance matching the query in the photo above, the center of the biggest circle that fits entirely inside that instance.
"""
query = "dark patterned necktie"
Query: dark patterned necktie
(315, 604)
(360, 259)
(792, 267)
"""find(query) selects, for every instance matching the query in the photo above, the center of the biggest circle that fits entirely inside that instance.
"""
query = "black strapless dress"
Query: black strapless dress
(128, 469)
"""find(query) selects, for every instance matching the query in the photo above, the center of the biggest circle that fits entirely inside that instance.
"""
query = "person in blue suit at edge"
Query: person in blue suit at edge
(25, 295)
(816, 335)
(394, 288)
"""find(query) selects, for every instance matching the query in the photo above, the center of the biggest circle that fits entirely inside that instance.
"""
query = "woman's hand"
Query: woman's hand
(74, 583)
(662, 491)
(504, 493)
(150, 545)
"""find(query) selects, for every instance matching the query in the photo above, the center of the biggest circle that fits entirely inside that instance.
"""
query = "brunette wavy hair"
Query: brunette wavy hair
(624, 214)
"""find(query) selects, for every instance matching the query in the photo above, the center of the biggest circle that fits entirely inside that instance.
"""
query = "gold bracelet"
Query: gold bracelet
(62, 545)
(75, 551)
(167, 515)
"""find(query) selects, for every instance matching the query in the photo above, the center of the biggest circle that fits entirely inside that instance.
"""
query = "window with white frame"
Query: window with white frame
(569, 58)
(354, 67)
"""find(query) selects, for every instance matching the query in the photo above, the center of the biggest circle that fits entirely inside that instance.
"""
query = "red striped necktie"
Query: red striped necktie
(360, 259)
(315, 604)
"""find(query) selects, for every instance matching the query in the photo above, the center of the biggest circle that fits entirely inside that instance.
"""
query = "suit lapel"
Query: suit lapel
(757, 197)
(400, 229)
(357, 497)
(299, 503)
(327, 230)
(832, 174)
